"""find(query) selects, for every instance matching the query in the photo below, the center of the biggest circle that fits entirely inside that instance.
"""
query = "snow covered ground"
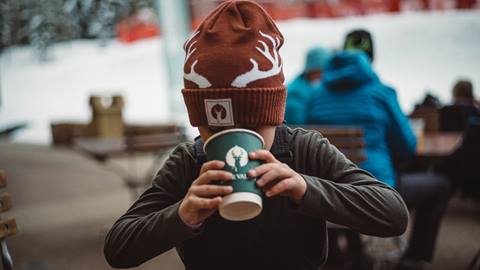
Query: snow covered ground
(415, 52)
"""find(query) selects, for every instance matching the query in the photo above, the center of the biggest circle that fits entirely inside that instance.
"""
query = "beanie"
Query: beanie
(233, 72)
(360, 40)
(316, 59)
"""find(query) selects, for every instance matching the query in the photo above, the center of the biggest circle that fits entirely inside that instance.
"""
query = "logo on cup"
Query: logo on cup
(232, 146)
(219, 112)
(236, 157)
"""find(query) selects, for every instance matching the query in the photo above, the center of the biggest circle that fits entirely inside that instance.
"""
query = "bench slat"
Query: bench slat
(3, 179)
(349, 140)
(8, 227)
(5, 202)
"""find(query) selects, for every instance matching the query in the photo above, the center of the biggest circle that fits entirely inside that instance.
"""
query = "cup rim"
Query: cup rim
(233, 130)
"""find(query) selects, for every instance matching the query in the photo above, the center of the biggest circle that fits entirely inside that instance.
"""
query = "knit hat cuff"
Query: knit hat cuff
(235, 106)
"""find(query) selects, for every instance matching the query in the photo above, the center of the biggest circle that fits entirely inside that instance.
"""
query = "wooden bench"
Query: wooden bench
(8, 226)
(349, 140)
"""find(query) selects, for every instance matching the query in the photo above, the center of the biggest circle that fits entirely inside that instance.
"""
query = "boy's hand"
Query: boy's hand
(203, 198)
(276, 178)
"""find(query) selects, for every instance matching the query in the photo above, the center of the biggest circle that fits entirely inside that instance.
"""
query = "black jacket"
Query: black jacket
(284, 236)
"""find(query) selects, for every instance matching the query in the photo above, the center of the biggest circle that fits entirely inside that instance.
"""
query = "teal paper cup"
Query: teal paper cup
(232, 147)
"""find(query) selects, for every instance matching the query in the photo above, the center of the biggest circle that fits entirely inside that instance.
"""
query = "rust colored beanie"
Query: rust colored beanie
(233, 71)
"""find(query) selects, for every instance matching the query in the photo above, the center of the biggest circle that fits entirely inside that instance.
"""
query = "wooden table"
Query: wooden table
(105, 149)
(432, 150)
(438, 145)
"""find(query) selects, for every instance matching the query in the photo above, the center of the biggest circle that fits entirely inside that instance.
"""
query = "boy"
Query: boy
(233, 78)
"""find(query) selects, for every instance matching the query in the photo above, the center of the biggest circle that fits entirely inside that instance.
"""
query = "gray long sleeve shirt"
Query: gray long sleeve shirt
(284, 236)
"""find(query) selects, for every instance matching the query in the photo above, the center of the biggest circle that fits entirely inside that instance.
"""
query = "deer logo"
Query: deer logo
(218, 112)
(193, 76)
(255, 74)
(237, 157)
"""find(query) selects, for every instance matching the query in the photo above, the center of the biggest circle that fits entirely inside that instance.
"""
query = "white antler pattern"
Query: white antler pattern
(193, 76)
(256, 74)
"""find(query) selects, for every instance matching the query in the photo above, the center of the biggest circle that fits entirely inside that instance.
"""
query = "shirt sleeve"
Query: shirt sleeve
(340, 192)
(152, 225)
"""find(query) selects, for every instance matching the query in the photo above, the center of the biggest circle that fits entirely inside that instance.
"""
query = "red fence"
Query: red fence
(144, 24)
(288, 9)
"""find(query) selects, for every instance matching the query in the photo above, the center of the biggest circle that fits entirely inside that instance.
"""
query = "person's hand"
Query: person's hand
(276, 178)
(203, 198)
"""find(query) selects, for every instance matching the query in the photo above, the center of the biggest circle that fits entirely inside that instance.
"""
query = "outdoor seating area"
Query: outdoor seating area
(61, 214)
(239, 134)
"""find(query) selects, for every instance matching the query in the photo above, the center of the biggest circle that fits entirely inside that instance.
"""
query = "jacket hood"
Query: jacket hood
(348, 70)
(317, 58)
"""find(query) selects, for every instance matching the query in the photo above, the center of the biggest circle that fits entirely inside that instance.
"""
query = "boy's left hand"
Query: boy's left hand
(276, 178)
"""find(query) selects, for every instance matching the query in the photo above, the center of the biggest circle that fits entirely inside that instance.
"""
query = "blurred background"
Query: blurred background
(90, 103)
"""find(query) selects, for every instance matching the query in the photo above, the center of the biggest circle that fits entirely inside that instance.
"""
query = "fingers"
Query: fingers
(272, 172)
(202, 196)
(278, 179)
(194, 210)
(212, 165)
(209, 191)
(264, 155)
(208, 176)
(283, 186)
(204, 203)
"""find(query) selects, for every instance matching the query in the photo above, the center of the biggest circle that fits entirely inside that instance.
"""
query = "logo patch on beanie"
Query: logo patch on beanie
(219, 112)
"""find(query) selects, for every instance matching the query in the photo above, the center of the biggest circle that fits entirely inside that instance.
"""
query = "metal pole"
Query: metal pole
(175, 27)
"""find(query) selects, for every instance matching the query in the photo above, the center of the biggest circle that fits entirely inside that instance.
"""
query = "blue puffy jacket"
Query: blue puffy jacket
(299, 92)
(300, 89)
(352, 95)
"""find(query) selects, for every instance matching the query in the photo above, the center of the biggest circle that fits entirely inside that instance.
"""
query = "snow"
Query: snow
(414, 52)
(39, 93)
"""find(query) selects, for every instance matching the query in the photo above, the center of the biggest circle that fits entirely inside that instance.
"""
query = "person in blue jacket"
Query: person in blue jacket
(351, 94)
(301, 87)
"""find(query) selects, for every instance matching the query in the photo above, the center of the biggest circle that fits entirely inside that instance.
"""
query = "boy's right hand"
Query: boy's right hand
(203, 198)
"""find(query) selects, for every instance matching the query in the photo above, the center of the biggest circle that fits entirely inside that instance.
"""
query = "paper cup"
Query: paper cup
(232, 147)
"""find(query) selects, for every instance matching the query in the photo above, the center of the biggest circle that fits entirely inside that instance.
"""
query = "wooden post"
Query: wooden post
(107, 121)
(3, 179)
(8, 227)
(5, 202)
